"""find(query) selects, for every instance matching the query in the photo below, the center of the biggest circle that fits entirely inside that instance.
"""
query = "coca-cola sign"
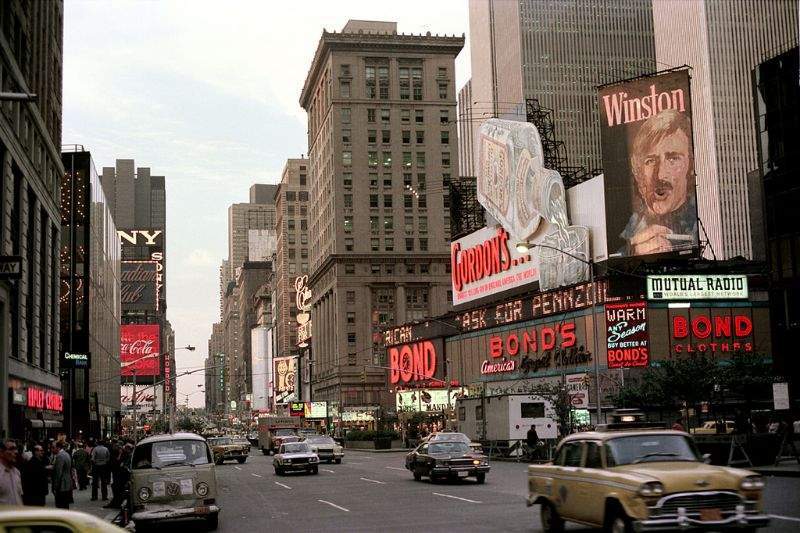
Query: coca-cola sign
(140, 349)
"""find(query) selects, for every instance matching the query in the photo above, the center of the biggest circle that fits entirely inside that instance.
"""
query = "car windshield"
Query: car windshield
(220, 441)
(450, 437)
(649, 448)
(319, 440)
(283, 432)
(170, 453)
(453, 448)
(295, 447)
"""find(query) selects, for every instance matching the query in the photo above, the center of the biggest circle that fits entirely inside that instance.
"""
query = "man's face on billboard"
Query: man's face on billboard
(663, 177)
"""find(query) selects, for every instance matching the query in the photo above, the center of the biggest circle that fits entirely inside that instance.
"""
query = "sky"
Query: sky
(206, 94)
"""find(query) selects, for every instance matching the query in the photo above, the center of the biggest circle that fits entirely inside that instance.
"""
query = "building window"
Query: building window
(406, 159)
(424, 268)
(383, 82)
(388, 269)
(406, 137)
(292, 253)
(304, 224)
(373, 181)
(409, 225)
(446, 201)
(405, 116)
(290, 224)
(409, 245)
(387, 201)
(420, 159)
(406, 181)
(385, 116)
(419, 116)
(387, 159)
(423, 245)
(347, 179)
(374, 245)
(345, 115)
(351, 337)
(290, 210)
(420, 137)
(348, 201)
(351, 317)
(348, 244)
(351, 297)
(375, 269)
(372, 159)
(445, 159)
(304, 238)
(444, 116)
(373, 225)
(347, 158)
(423, 224)
(388, 224)
(445, 137)
(408, 202)
(371, 115)
(386, 136)
(346, 138)
(443, 90)
(422, 201)
(442, 72)
(369, 77)
(348, 223)
(302, 179)
(344, 89)
(387, 181)
(372, 136)
(290, 196)
(373, 201)
(349, 268)
(410, 269)
(388, 244)
(416, 81)
(446, 181)
(405, 83)
(344, 71)
(421, 183)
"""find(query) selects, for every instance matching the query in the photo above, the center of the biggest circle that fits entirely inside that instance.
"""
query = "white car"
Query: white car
(295, 457)
(325, 448)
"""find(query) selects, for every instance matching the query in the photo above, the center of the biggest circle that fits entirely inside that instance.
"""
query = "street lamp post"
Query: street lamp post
(590, 263)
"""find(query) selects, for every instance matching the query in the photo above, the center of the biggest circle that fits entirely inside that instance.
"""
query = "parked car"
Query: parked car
(295, 457)
(173, 477)
(227, 448)
(447, 460)
(709, 427)
(642, 479)
(41, 519)
(325, 448)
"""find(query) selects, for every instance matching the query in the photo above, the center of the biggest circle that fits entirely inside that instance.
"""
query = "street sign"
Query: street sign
(10, 267)
(780, 396)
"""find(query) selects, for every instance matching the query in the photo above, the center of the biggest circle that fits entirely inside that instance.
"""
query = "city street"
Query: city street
(373, 492)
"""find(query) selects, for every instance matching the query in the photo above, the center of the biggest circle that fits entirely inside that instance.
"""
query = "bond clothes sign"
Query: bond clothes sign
(416, 362)
(648, 159)
(627, 339)
(140, 349)
(708, 287)
(529, 201)
(485, 263)
(704, 333)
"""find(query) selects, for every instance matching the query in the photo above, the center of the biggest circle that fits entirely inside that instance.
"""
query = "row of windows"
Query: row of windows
(346, 115)
(347, 181)
(291, 224)
(385, 159)
(388, 245)
(387, 269)
(386, 136)
(301, 195)
(377, 81)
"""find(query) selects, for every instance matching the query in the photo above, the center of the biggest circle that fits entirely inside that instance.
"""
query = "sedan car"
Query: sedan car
(452, 436)
(227, 448)
(447, 460)
(295, 457)
(26, 519)
(325, 448)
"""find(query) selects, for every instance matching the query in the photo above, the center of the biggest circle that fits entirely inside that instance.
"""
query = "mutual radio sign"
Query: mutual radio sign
(691, 287)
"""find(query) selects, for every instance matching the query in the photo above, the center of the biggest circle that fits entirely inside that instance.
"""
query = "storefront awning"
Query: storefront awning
(38, 424)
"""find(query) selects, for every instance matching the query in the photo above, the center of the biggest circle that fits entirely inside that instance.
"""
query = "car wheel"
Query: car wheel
(417, 474)
(242, 460)
(619, 523)
(481, 478)
(551, 520)
(337, 461)
(212, 521)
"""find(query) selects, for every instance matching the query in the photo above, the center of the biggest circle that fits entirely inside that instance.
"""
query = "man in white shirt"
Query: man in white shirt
(10, 481)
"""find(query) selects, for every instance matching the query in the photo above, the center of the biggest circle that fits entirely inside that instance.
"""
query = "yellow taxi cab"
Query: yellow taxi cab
(26, 519)
(634, 477)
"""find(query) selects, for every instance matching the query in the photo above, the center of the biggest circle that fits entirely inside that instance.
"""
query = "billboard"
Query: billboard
(578, 389)
(140, 349)
(648, 161)
(139, 285)
(690, 287)
(417, 362)
(148, 397)
(418, 400)
(285, 379)
(143, 247)
(627, 340)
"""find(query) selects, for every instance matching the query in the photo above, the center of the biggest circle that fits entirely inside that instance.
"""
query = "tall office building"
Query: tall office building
(382, 148)
(31, 54)
(722, 42)
(215, 370)
(137, 199)
(558, 52)
(465, 120)
(292, 257)
(243, 217)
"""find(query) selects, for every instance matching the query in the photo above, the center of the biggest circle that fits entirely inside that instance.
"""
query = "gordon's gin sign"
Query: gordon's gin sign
(486, 262)
(140, 349)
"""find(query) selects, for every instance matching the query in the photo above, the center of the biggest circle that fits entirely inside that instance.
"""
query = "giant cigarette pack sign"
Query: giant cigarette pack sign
(627, 341)
(648, 160)
(140, 349)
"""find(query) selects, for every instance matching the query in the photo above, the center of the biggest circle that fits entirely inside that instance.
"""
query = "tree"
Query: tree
(747, 376)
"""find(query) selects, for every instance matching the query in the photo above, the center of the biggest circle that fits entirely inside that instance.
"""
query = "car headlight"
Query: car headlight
(314, 459)
(441, 462)
(476, 462)
(144, 494)
(752, 483)
(202, 489)
(651, 489)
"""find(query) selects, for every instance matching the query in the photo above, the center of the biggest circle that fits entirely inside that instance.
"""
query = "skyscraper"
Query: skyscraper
(722, 42)
(382, 150)
(557, 52)
(243, 217)
(466, 119)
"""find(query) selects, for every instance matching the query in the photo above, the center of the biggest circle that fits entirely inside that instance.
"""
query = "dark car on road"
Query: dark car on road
(447, 460)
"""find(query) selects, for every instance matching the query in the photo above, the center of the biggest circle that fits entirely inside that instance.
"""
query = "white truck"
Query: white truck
(508, 418)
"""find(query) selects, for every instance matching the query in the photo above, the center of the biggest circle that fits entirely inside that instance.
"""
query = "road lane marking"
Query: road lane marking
(373, 481)
(334, 505)
(282, 485)
(326, 470)
(238, 467)
(790, 518)
(255, 475)
(395, 468)
(456, 497)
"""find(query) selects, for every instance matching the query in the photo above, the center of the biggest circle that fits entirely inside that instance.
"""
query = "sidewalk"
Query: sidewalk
(83, 503)
(786, 469)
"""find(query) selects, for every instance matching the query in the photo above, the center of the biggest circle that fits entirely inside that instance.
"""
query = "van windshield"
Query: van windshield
(171, 453)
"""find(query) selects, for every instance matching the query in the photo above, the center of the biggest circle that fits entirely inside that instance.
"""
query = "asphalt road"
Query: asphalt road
(373, 492)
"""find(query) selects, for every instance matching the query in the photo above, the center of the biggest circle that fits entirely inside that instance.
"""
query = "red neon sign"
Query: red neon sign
(716, 334)
(480, 261)
(412, 362)
(533, 340)
(44, 399)
(140, 349)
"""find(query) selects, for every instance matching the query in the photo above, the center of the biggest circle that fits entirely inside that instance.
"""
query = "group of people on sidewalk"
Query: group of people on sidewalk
(29, 473)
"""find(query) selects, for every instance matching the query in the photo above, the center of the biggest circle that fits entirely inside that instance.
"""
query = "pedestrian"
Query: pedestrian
(532, 440)
(121, 476)
(62, 476)
(80, 460)
(10, 481)
(677, 425)
(100, 458)
(114, 466)
(34, 478)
